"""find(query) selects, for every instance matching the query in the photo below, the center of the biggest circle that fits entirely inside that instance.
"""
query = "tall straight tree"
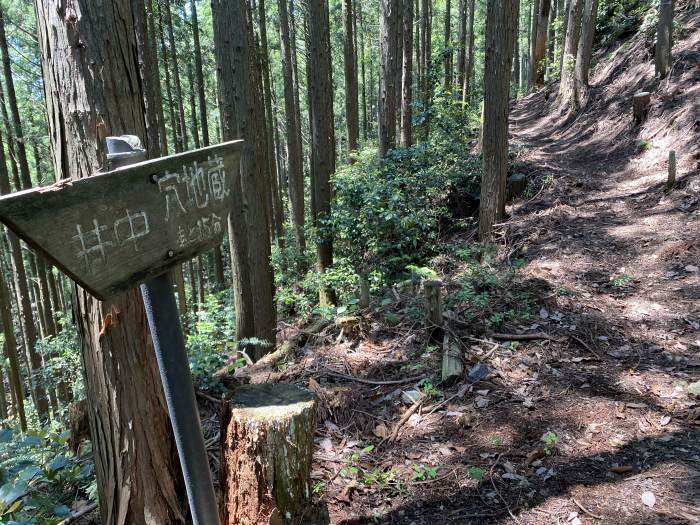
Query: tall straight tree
(664, 38)
(469, 71)
(389, 20)
(199, 71)
(462, 43)
(10, 352)
(180, 101)
(277, 212)
(135, 458)
(407, 76)
(352, 114)
(585, 52)
(567, 85)
(318, 50)
(295, 162)
(242, 116)
(449, 70)
(500, 33)
(534, 20)
(540, 56)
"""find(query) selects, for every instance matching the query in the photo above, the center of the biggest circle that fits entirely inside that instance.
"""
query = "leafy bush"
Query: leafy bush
(389, 213)
(38, 481)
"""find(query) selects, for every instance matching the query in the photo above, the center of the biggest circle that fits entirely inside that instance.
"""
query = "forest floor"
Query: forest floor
(594, 422)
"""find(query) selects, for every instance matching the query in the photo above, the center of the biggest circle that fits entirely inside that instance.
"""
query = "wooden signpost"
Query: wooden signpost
(129, 226)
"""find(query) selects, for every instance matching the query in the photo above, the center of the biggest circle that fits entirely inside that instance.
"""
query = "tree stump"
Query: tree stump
(433, 310)
(266, 450)
(671, 170)
(640, 106)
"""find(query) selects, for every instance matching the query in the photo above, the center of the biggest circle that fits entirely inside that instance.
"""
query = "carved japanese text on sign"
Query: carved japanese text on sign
(111, 231)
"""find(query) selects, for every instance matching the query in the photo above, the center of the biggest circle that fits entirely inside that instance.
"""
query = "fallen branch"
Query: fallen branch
(78, 514)
(411, 410)
(585, 510)
(332, 373)
(527, 337)
(583, 344)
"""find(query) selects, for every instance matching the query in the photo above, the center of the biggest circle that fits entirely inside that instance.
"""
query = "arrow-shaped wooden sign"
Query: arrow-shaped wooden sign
(112, 231)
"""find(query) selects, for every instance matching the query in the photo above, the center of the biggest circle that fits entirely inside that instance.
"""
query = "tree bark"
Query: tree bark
(462, 45)
(469, 73)
(664, 38)
(242, 116)
(295, 162)
(585, 52)
(534, 21)
(564, 30)
(199, 71)
(176, 76)
(500, 32)
(540, 56)
(318, 49)
(10, 351)
(352, 115)
(174, 125)
(515, 77)
(266, 451)
(135, 458)
(567, 85)
(449, 71)
(277, 213)
(388, 45)
(365, 117)
(407, 77)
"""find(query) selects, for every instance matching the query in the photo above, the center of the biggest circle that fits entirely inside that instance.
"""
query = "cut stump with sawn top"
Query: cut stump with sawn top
(266, 450)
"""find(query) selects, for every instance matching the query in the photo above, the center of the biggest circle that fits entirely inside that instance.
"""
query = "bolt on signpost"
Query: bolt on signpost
(130, 226)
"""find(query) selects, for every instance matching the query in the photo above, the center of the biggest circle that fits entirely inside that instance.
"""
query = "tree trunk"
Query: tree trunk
(407, 77)
(567, 85)
(295, 162)
(174, 125)
(449, 72)
(152, 31)
(276, 211)
(10, 351)
(515, 77)
(242, 116)
(462, 45)
(500, 32)
(469, 73)
(135, 458)
(534, 21)
(664, 38)
(540, 56)
(584, 53)
(388, 45)
(551, 38)
(193, 107)
(352, 115)
(14, 108)
(564, 30)
(199, 71)
(176, 76)
(318, 49)
(365, 118)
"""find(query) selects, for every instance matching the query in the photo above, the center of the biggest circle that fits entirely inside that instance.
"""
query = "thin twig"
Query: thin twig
(373, 381)
(79, 514)
(412, 409)
(583, 344)
(584, 509)
(527, 337)
(499, 494)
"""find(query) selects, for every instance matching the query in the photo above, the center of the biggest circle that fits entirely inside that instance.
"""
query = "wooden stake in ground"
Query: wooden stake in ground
(671, 170)
(433, 310)
(266, 449)
(452, 367)
(640, 106)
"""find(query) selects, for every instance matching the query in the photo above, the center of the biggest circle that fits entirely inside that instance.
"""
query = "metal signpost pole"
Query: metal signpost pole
(169, 344)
